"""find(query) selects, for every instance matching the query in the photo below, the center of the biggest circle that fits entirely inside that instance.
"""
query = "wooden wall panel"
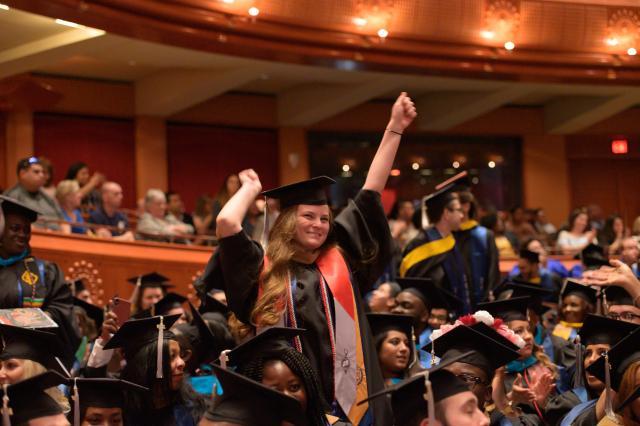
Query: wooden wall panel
(106, 145)
(3, 151)
(200, 157)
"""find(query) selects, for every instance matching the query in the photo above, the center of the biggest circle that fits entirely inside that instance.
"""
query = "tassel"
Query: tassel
(224, 358)
(159, 363)
(608, 405)
(414, 358)
(579, 374)
(433, 353)
(6, 410)
(264, 238)
(428, 396)
(424, 219)
(214, 392)
(76, 404)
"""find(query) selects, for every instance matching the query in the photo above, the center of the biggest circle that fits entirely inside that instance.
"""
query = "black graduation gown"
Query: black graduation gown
(484, 252)
(428, 268)
(58, 301)
(362, 233)
(559, 406)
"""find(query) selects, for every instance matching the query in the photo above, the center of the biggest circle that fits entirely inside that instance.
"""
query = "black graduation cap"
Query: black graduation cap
(617, 296)
(312, 191)
(206, 346)
(575, 288)
(621, 356)
(634, 395)
(461, 182)
(28, 399)
(440, 198)
(408, 397)
(512, 287)
(136, 333)
(249, 403)
(593, 256)
(151, 280)
(381, 323)
(487, 353)
(511, 309)
(529, 255)
(163, 306)
(11, 205)
(102, 392)
(77, 286)
(94, 312)
(211, 304)
(430, 294)
(271, 340)
(597, 329)
(32, 344)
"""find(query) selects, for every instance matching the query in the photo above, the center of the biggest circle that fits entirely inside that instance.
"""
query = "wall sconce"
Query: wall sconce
(501, 22)
(623, 29)
(374, 16)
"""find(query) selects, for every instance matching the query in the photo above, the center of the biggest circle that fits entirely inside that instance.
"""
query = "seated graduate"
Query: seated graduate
(489, 348)
(591, 257)
(576, 301)
(561, 352)
(434, 397)
(531, 379)
(246, 402)
(623, 363)
(269, 359)
(28, 353)
(206, 340)
(547, 265)
(149, 289)
(430, 306)
(597, 335)
(100, 401)
(618, 304)
(533, 273)
(155, 360)
(170, 304)
(393, 337)
(40, 284)
(29, 404)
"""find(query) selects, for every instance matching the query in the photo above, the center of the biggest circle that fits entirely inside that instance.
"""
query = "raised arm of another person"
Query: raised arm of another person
(229, 220)
(620, 274)
(402, 114)
(96, 180)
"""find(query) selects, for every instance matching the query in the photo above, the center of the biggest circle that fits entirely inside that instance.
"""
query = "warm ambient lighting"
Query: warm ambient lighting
(632, 51)
(492, 164)
(456, 164)
(346, 168)
(415, 166)
(228, 1)
(254, 11)
(4, 7)
(359, 21)
(383, 33)
(68, 23)
(509, 45)
(619, 146)
(489, 35)
(395, 172)
(612, 41)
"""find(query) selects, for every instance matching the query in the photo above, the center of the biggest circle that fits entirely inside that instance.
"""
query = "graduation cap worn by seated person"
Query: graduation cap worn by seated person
(151, 280)
(249, 403)
(163, 306)
(487, 353)
(513, 287)
(410, 399)
(206, 346)
(619, 357)
(530, 256)
(270, 341)
(32, 344)
(381, 323)
(136, 333)
(99, 393)
(10, 205)
(211, 304)
(28, 400)
(94, 312)
(598, 330)
(593, 256)
(513, 309)
(574, 288)
(430, 294)
(615, 295)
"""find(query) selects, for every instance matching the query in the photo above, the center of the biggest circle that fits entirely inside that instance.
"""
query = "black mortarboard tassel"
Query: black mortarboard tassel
(312, 191)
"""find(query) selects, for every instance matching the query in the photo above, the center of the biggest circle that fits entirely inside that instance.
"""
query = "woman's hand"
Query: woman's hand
(543, 387)
(519, 394)
(250, 179)
(402, 113)
(620, 274)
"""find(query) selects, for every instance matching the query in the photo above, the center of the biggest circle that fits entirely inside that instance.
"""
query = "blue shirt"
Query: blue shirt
(77, 217)
(118, 220)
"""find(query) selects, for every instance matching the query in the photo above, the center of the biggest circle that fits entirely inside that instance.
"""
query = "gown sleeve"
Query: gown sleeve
(559, 406)
(362, 232)
(235, 268)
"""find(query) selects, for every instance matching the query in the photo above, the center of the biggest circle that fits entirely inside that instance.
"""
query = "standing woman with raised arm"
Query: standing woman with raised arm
(313, 273)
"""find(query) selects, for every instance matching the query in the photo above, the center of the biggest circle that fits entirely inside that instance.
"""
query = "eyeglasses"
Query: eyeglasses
(470, 380)
(625, 316)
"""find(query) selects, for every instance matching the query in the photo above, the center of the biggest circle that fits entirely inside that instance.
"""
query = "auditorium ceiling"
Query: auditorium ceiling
(575, 59)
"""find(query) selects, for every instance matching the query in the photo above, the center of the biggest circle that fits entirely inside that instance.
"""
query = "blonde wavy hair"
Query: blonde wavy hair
(33, 368)
(275, 278)
(628, 384)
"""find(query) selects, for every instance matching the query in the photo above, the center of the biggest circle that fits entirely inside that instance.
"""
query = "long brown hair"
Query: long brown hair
(627, 386)
(275, 278)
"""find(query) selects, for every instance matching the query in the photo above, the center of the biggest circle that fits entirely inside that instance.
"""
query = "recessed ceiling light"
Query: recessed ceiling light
(4, 7)
(509, 45)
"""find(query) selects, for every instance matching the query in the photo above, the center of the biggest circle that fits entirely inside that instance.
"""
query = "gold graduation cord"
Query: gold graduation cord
(425, 251)
(469, 224)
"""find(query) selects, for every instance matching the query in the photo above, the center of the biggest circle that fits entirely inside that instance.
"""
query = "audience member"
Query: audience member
(108, 214)
(519, 225)
(89, 184)
(203, 215)
(28, 191)
(49, 187)
(68, 196)
(531, 271)
(229, 188)
(505, 245)
(543, 227)
(401, 223)
(383, 298)
(175, 208)
(611, 236)
(551, 265)
(154, 225)
(630, 253)
(578, 236)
